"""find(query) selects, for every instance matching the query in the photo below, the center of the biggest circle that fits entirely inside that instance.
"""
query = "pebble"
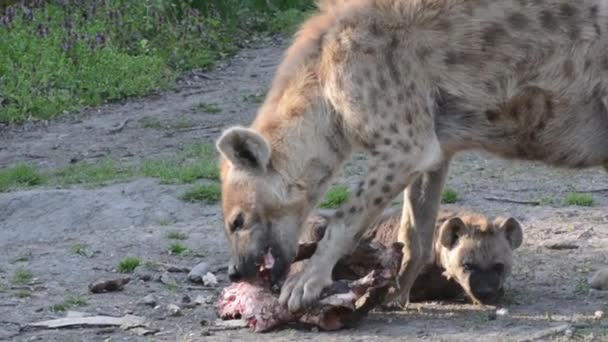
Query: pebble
(174, 310)
(201, 300)
(502, 312)
(149, 300)
(599, 314)
(209, 279)
(599, 281)
(167, 279)
(198, 272)
(141, 273)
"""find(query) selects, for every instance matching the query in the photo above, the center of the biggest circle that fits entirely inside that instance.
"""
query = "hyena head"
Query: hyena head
(263, 210)
(478, 254)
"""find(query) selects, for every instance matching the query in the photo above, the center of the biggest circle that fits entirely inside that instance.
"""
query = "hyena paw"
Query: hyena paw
(304, 289)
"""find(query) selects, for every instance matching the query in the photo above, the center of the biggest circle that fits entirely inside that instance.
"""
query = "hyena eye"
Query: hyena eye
(468, 266)
(498, 267)
(237, 223)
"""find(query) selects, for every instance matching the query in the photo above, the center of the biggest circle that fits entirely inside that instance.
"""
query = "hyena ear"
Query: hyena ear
(512, 229)
(450, 231)
(244, 148)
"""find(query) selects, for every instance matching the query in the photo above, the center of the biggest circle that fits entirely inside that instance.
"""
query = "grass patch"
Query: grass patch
(19, 176)
(579, 199)
(64, 55)
(92, 174)
(23, 294)
(449, 196)
(209, 108)
(254, 98)
(177, 248)
(176, 235)
(335, 197)
(208, 193)
(69, 302)
(198, 161)
(128, 264)
(22, 276)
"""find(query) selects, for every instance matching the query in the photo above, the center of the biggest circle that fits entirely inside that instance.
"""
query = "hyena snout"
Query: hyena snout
(264, 261)
(485, 286)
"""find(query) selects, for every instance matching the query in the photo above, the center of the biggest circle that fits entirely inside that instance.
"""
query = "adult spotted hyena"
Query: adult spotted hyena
(409, 83)
(472, 255)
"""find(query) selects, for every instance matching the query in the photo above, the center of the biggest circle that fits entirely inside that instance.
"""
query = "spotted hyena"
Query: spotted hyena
(472, 255)
(409, 83)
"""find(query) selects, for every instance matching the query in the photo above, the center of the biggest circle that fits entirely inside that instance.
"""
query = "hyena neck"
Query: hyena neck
(308, 146)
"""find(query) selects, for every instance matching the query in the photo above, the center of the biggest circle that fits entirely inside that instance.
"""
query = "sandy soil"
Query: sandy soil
(40, 228)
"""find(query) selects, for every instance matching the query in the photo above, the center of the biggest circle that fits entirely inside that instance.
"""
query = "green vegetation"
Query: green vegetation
(254, 98)
(22, 276)
(128, 264)
(208, 193)
(69, 302)
(198, 161)
(176, 235)
(583, 200)
(209, 108)
(19, 176)
(23, 294)
(335, 197)
(177, 248)
(449, 196)
(61, 56)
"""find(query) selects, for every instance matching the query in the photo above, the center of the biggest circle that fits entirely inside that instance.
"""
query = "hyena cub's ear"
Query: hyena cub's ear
(512, 230)
(450, 231)
(244, 148)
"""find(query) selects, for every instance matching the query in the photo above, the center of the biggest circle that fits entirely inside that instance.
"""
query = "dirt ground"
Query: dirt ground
(40, 227)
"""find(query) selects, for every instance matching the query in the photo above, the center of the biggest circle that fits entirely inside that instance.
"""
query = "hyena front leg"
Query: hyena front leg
(394, 167)
(418, 220)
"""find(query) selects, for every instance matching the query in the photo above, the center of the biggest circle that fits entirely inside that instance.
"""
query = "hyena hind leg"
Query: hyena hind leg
(418, 219)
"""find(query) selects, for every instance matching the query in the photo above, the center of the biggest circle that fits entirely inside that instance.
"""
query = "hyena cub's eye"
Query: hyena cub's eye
(468, 266)
(237, 223)
(498, 268)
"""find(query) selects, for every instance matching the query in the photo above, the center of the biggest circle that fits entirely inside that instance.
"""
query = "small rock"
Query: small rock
(186, 299)
(174, 310)
(141, 273)
(198, 272)
(599, 281)
(148, 300)
(200, 300)
(167, 279)
(599, 314)
(209, 279)
(569, 333)
(108, 285)
(502, 312)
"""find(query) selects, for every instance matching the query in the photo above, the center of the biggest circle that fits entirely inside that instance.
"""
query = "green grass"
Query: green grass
(22, 276)
(128, 264)
(579, 199)
(209, 108)
(69, 302)
(19, 176)
(23, 294)
(176, 235)
(254, 98)
(335, 197)
(65, 55)
(449, 196)
(198, 161)
(177, 248)
(208, 193)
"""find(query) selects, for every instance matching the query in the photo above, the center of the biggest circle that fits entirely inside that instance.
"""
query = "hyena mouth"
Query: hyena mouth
(266, 266)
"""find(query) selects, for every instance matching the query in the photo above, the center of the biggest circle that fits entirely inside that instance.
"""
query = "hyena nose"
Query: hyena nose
(233, 273)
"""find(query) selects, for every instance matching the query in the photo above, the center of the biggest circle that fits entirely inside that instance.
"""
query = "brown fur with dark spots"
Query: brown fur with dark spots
(518, 78)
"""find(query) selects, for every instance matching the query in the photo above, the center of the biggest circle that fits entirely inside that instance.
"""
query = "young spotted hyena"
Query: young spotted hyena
(409, 83)
(472, 255)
